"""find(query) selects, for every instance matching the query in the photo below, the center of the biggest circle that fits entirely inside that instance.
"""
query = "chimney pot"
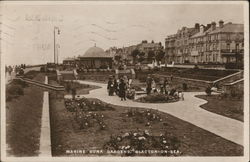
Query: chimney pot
(221, 23)
(213, 25)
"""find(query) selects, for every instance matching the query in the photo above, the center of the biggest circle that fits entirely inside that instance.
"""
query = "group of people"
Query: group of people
(121, 87)
(16, 69)
(164, 87)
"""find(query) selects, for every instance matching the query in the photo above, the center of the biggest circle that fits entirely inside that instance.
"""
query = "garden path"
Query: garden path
(188, 110)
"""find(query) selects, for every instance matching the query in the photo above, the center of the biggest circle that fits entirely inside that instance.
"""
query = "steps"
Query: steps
(229, 79)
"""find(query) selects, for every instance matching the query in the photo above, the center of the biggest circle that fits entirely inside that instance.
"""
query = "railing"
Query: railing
(43, 85)
(227, 77)
(236, 82)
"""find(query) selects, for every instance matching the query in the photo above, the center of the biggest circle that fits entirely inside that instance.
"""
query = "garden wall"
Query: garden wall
(189, 82)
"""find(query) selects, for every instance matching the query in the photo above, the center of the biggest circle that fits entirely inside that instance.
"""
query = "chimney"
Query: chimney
(197, 26)
(202, 28)
(213, 25)
(207, 27)
(221, 23)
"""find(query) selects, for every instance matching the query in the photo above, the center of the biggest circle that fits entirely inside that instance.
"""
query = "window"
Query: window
(242, 45)
(237, 47)
(228, 36)
(216, 36)
(228, 46)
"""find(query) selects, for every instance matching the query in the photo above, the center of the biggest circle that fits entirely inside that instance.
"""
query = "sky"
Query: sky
(27, 30)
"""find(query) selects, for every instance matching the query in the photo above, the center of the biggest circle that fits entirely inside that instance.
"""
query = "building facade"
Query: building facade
(207, 44)
(146, 47)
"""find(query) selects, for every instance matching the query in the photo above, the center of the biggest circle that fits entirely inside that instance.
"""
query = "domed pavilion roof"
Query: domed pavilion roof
(96, 52)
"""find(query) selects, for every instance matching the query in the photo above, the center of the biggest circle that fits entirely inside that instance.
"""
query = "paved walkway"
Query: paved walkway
(188, 110)
(10, 77)
(45, 140)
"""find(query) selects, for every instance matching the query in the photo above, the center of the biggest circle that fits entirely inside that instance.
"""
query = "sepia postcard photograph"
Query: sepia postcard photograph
(124, 81)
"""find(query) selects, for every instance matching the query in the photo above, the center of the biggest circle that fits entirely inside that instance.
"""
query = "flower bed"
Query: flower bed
(148, 117)
(89, 119)
(84, 112)
(158, 98)
(140, 143)
(86, 105)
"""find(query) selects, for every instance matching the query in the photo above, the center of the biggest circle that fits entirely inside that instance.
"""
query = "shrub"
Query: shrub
(184, 86)
(20, 83)
(208, 91)
(157, 98)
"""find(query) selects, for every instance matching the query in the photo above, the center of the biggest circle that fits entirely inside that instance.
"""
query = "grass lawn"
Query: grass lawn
(195, 141)
(80, 88)
(228, 107)
(23, 121)
(201, 74)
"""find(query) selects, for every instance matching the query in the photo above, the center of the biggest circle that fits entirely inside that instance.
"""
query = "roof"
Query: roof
(199, 34)
(96, 52)
(229, 28)
(152, 45)
(69, 59)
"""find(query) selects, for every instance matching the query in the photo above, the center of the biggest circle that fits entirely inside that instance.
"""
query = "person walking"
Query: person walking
(165, 85)
(125, 79)
(130, 83)
(149, 85)
(122, 90)
(171, 77)
(110, 87)
(153, 86)
(116, 87)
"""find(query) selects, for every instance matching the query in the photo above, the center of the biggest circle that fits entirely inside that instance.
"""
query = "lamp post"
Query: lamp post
(58, 32)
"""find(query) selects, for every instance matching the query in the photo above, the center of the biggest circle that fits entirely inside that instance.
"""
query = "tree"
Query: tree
(159, 55)
(135, 54)
(141, 57)
(151, 55)
(118, 58)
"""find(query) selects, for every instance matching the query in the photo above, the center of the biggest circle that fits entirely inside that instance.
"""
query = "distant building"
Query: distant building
(71, 62)
(145, 47)
(93, 58)
(206, 44)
